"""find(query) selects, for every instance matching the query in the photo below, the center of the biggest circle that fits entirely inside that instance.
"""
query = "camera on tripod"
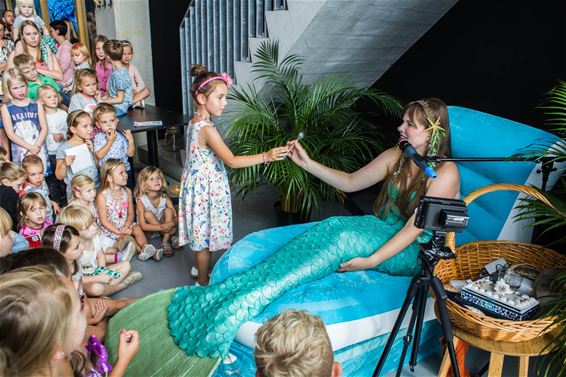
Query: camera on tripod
(440, 214)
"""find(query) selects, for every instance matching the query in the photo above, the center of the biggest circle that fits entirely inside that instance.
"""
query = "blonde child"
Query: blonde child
(12, 177)
(35, 182)
(84, 193)
(85, 92)
(139, 90)
(116, 210)
(103, 65)
(33, 219)
(100, 279)
(10, 241)
(47, 341)
(155, 209)
(110, 143)
(24, 121)
(79, 132)
(81, 60)
(25, 11)
(205, 212)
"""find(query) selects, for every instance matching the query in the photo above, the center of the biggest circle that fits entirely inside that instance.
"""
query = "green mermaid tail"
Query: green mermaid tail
(204, 320)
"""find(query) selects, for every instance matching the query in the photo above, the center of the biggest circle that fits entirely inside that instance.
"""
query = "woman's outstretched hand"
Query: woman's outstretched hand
(297, 153)
(356, 264)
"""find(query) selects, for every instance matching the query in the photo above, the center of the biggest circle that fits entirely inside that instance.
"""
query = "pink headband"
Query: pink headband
(57, 237)
(223, 76)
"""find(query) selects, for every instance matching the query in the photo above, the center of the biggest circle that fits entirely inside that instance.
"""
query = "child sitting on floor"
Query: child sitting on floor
(35, 182)
(33, 219)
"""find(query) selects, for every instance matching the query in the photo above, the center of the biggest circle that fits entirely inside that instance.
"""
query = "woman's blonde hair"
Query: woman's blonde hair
(26, 202)
(80, 47)
(293, 344)
(5, 222)
(45, 88)
(36, 308)
(19, 3)
(9, 76)
(38, 55)
(73, 120)
(408, 194)
(80, 75)
(106, 170)
(79, 181)
(76, 216)
(11, 171)
(143, 176)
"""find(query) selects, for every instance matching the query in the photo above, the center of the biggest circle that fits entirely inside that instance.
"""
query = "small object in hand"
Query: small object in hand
(300, 137)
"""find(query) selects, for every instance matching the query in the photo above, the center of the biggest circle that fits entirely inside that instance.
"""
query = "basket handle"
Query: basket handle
(527, 190)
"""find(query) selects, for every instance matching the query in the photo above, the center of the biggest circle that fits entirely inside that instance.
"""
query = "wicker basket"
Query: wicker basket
(473, 256)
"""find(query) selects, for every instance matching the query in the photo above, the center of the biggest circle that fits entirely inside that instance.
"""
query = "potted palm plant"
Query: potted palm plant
(335, 133)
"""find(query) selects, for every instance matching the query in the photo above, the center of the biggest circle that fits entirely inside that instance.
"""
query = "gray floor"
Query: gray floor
(256, 213)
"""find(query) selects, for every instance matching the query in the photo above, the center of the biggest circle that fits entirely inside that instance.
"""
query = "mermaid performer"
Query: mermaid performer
(204, 320)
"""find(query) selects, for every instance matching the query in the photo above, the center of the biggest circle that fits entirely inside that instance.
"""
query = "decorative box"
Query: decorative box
(499, 300)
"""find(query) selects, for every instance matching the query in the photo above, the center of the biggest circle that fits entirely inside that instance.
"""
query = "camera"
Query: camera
(440, 214)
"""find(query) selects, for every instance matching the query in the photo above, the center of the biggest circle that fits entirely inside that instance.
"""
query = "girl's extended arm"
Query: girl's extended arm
(131, 209)
(128, 346)
(209, 136)
(101, 208)
(8, 127)
(447, 185)
(60, 169)
(42, 124)
(141, 219)
(118, 99)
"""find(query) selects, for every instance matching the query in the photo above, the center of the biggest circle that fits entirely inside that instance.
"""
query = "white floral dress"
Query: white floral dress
(205, 208)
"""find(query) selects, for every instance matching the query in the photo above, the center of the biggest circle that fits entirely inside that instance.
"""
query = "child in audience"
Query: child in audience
(100, 279)
(85, 92)
(84, 193)
(33, 220)
(35, 182)
(24, 121)
(81, 60)
(10, 241)
(140, 92)
(43, 326)
(103, 64)
(116, 210)
(12, 177)
(25, 11)
(25, 64)
(156, 213)
(294, 343)
(79, 132)
(111, 143)
(58, 31)
(119, 84)
(56, 130)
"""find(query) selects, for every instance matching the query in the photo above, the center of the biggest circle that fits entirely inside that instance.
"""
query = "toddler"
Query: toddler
(35, 182)
(116, 210)
(140, 92)
(79, 132)
(103, 64)
(119, 92)
(10, 241)
(85, 92)
(99, 279)
(156, 213)
(110, 143)
(84, 193)
(81, 60)
(33, 220)
(12, 177)
(25, 11)
(24, 121)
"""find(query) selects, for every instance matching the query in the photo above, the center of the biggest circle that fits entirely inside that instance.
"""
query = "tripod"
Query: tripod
(417, 292)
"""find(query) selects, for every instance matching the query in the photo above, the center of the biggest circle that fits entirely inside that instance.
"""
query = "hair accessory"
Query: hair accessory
(436, 131)
(98, 356)
(58, 235)
(223, 76)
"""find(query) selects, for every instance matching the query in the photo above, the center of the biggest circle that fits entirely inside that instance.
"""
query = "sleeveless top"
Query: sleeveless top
(116, 212)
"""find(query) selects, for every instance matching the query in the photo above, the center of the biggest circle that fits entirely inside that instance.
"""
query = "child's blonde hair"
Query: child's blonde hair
(3, 154)
(6, 223)
(80, 75)
(80, 47)
(19, 3)
(36, 307)
(26, 203)
(11, 172)
(73, 119)
(126, 43)
(45, 88)
(293, 343)
(31, 160)
(143, 176)
(23, 61)
(9, 76)
(76, 216)
(102, 108)
(106, 170)
(79, 181)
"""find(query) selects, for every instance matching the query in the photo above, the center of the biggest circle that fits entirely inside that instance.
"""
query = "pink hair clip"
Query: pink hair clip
(227, 79)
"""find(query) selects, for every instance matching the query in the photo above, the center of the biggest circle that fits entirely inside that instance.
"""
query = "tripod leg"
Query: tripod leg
(420, 319)
(413, 286)
(445, 322)
(410, 335)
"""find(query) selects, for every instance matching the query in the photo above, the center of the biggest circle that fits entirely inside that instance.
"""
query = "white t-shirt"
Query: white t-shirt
(56, 123)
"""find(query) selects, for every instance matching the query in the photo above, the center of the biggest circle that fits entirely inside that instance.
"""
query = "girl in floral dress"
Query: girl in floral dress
(205, 209)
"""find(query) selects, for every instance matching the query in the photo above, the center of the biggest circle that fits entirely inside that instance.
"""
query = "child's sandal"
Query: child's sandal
(175, 242)
(167, 250)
